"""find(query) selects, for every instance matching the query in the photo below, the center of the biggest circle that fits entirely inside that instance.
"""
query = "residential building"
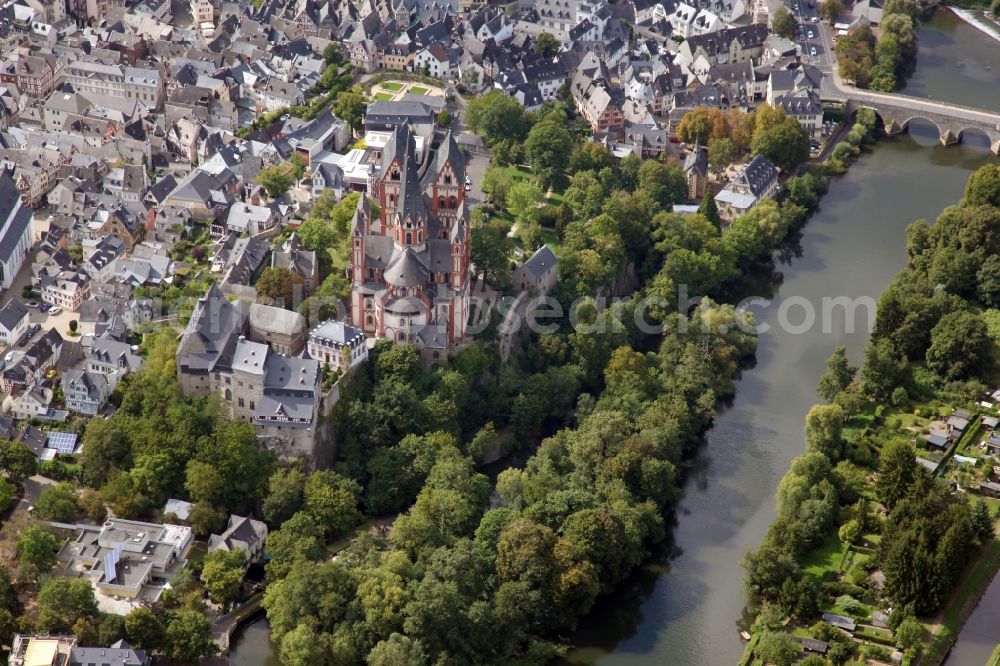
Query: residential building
(85, 392)
(41, 650)
(242, 533)
(67, 289)
(13, 321)
(121, 557)
(300, 261)
(337, 345)
(757, 180)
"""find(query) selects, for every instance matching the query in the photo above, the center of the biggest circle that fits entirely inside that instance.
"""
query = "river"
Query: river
(684, 607)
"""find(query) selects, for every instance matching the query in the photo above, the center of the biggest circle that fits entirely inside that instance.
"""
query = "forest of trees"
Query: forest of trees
(930, 342)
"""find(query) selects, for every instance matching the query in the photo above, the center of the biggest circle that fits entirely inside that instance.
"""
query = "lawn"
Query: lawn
(394, 86)
(384, 97)
(825, 557)
(419, 90)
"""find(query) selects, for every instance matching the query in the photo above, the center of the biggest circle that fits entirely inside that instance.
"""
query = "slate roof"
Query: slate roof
(12, 313)
(541, 261)
(15, 217)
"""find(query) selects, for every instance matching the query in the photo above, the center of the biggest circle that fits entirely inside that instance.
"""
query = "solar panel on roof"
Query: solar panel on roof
(63, 442)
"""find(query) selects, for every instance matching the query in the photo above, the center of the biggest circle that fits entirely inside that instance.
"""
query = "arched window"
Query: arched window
(229, 394)
(369, 321)
(420, 236)
(401, 336)
(409, 238)
(441, 201)
(452, 202)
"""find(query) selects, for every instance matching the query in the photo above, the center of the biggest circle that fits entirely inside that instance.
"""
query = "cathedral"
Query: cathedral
(410, 266)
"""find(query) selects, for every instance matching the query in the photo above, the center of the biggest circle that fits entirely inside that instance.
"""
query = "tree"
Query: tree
(104, 449)
(222, 574)
(883, 370)
(897, 471)
(332, 500)
(276, 180)
(189, 637)
(17, 461)
(782, 22)
(548, 149)
(203, 482)
(982, 521)
(144, 629)
(786, 143)
(710, 210)
(36, 550)
(838, 376)
(983, 187)
(302, 647)
(206, 519)
(721, 153)
(703, 124)
(111, 631)
(823, 430)
(490, 249)
(910, 633)
(831, 10)
(64, 601)
(664, 183)
(779, 648)
(495, 185)
(284, 496)
(496, 116)
(7, 492)
(279, 284)
(546, 45)
(849, 532)
(522, 201)
(443, 118)
(591, 156)
(398, 650)
(350, 107)
(959, 346)
(57, 502)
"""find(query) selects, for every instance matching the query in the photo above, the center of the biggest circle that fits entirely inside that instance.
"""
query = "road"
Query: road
(819, 36)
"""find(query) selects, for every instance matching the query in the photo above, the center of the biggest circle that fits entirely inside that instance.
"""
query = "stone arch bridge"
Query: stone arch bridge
(951, 120)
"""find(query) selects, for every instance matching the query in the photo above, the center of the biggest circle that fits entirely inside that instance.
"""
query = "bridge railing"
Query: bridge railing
(890, 97)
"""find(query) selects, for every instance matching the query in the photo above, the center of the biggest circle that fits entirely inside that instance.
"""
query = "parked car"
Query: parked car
(55, 310)
(31, 304)
(44, 307)
(811, 34)
(9, 357)
(812, 51)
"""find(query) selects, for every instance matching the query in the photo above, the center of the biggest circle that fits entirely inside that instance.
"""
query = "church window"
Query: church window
(409, 238)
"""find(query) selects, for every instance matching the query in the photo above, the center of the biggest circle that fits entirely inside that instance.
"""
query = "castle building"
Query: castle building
(410, 275)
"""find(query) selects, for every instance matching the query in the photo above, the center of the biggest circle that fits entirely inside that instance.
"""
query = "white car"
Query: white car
(811, 34)
(9, 357)
(55, 311)
(812, 51)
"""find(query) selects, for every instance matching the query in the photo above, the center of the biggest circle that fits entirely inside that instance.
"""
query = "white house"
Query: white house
(13, 321)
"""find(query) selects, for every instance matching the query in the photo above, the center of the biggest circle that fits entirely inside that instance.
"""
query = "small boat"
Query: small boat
(745, 635)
